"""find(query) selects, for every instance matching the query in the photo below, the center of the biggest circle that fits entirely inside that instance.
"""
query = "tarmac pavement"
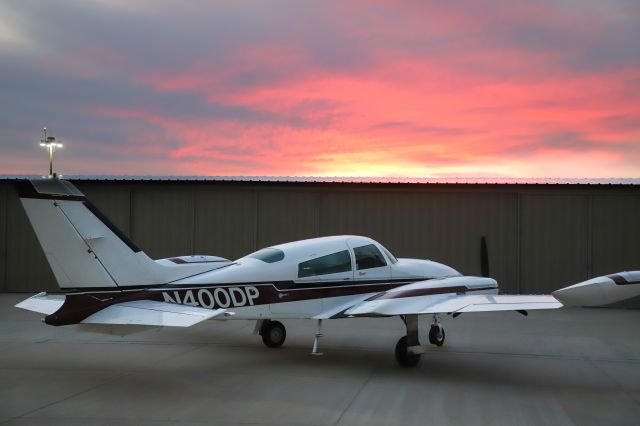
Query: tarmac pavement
(560, 367)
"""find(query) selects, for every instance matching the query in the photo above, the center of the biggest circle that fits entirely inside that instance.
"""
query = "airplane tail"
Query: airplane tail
(86, 251)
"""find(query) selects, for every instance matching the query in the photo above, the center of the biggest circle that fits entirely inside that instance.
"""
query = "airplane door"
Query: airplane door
(370, 262)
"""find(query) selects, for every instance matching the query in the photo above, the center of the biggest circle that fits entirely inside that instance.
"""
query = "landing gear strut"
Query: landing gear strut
(318, 335)
(408, 350)
(273, 333)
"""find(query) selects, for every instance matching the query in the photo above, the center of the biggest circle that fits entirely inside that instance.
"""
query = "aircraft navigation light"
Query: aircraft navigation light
(50, 143)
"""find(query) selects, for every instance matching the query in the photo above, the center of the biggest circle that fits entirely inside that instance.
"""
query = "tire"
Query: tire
(273, 334)
(403, 357)
(436, 335)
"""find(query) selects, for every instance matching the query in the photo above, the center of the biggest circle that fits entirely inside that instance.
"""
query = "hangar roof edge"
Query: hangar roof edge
(357, 180)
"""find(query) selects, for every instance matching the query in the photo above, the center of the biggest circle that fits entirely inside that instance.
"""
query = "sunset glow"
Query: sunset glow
(469, 89)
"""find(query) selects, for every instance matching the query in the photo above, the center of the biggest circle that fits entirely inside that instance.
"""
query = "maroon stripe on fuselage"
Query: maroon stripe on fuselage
(79, 306)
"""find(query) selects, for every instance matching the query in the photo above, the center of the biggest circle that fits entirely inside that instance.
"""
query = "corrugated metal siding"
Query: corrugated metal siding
(616, 233)
(225, 222)
(554, 241)
(285, 216)
(162, 220)
(3, 236)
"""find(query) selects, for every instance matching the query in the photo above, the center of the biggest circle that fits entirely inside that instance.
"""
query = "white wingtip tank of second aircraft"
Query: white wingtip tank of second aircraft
(601, 291)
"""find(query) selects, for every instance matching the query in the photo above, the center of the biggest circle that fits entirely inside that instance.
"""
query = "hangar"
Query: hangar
(541, 234)
(556, 367)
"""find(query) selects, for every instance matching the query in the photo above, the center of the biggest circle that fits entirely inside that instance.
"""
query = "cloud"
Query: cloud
(353, 88)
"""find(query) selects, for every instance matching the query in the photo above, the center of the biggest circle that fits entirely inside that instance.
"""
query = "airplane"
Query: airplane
(105, 278)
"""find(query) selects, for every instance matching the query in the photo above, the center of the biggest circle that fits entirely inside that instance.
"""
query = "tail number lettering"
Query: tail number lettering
(210, 298)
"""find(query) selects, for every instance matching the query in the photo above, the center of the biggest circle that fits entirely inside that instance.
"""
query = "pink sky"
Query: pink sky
(417, 89)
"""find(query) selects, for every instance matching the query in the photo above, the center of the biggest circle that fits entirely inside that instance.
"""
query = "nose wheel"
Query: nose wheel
(436, 332)
(436, 335)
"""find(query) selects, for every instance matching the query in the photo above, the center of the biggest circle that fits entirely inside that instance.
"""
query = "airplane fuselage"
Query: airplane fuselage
(228, 287)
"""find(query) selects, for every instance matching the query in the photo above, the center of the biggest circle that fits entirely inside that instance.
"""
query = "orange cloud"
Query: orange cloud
(412, 89)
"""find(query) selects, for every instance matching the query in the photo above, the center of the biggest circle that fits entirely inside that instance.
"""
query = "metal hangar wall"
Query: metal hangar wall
(540, 237)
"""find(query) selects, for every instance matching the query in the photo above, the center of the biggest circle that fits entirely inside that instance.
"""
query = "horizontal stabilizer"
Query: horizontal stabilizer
(148, 312)
(43, 303)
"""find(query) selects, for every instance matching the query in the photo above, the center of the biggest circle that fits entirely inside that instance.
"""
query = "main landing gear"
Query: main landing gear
(273, 333)
(408, 349)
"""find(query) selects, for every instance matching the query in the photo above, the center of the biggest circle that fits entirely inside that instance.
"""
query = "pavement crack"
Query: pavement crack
(355, 396)
(73, 395)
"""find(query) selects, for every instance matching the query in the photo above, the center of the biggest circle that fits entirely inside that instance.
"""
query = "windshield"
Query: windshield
(391, 257)
(269, 255)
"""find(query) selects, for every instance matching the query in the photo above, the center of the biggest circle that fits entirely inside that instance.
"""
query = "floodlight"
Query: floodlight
(50, 143)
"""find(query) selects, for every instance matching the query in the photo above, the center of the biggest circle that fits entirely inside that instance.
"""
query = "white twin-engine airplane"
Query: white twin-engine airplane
(107, 279)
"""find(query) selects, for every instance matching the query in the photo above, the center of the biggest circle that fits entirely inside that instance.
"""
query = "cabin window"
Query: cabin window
(269, 255)
(330, 264)
(368, 257)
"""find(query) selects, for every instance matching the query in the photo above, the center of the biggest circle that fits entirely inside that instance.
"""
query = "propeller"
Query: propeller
(484, 266)
(484, 257)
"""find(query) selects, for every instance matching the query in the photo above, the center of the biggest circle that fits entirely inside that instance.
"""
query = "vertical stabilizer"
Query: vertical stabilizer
(84, 249)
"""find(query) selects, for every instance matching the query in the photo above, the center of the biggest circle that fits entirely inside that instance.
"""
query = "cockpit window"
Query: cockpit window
(330, 264)
(368, 257)
(269, 255)
(391, 257)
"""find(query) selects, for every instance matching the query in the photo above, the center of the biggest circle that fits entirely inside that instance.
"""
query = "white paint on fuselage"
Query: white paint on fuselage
(248, 270)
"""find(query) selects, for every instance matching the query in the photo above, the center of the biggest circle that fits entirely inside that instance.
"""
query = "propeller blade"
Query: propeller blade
(484, 257)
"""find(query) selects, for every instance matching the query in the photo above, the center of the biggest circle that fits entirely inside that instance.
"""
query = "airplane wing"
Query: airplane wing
(452, 304)
(139, 312)
(423, 298)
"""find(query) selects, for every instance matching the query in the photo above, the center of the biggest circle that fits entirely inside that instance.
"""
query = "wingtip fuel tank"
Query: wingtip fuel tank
(600, 291)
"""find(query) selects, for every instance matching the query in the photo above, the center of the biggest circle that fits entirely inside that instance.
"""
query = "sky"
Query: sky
(462, 88)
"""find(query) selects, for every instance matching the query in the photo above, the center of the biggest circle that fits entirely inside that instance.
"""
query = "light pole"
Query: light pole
(51, 144)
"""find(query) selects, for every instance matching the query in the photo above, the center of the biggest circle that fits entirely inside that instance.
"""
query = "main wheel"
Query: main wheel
(436, 335)
(273, 334)
(403, 356)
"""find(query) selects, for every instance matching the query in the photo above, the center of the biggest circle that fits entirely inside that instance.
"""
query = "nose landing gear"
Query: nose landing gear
(436, 332)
